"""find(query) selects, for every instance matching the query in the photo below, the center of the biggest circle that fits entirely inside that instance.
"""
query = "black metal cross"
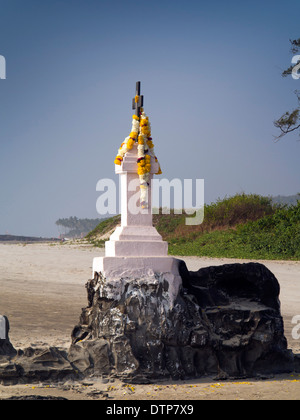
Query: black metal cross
(138, 105)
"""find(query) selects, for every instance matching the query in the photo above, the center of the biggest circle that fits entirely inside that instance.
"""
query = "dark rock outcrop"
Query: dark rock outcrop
(6, 348)
(224, 321)
(33, 365)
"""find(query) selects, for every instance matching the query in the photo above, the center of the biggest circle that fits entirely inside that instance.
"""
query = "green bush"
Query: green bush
(275, 236)
(242, 226)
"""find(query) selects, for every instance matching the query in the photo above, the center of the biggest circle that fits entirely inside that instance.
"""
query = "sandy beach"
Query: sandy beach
(42, 292)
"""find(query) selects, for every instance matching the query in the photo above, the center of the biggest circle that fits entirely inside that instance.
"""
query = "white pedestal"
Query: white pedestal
(134, 267)
(135, 247)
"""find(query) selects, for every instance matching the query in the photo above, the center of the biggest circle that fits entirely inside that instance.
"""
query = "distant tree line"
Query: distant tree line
(75, 228)
(290, 200)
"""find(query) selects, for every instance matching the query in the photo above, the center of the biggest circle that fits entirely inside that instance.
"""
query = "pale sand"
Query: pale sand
(42, 292)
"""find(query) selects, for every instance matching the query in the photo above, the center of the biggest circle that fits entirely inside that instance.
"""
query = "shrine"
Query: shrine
(149, 317)
(136, 248)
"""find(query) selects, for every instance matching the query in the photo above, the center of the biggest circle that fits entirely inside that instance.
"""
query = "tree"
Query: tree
(74, 227)
(290, 121)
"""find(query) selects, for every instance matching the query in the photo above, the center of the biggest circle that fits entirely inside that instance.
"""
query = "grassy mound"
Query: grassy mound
(242, 226)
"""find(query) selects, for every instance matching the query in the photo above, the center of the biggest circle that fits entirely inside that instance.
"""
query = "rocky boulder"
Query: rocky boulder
(224, 321)
(6, 348)
(31, 364)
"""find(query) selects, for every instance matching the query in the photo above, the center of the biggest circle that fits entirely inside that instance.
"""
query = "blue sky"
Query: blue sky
(212, 85)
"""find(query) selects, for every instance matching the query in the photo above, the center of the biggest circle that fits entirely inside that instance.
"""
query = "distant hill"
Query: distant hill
(290, 200)
(27, 239)
(73, 227)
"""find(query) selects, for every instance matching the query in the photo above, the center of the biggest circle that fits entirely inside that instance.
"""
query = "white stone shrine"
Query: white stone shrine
(135, 248)
(141, 325)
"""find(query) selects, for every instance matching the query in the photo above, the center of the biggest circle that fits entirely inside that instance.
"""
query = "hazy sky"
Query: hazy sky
(212, 85)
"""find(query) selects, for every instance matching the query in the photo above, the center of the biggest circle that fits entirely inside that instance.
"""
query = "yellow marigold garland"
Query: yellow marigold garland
(140, 133)
(129, 141)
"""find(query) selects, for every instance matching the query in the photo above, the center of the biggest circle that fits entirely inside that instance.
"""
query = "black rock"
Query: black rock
(34, 398)
(219, 285)
(6, 348)
(224, 321)
(33, 365)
